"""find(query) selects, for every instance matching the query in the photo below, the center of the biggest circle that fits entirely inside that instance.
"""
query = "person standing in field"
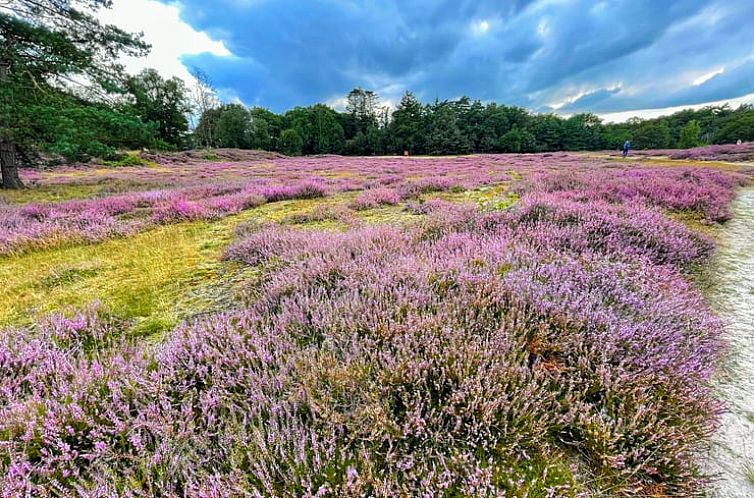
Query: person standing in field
(626, 147)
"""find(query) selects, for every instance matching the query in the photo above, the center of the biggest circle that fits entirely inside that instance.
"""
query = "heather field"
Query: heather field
(493, 325)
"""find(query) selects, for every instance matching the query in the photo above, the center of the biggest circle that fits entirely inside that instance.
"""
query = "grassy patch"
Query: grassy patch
(394, 215)
(154, 279)
(695, 221)
(544, 476)
(493, 197)
(63, 276)
(50, 193)
(138, 278)
(71, 191)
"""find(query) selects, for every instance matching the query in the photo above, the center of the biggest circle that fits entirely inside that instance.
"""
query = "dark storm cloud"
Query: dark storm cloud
(603, 56)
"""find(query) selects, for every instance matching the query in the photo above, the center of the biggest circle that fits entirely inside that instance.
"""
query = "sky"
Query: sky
(617, 58)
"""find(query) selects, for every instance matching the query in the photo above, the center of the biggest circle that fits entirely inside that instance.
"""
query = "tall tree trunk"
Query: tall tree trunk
(8, 166)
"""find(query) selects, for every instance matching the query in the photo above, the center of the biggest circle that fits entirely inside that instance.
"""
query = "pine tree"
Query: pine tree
(45, 45)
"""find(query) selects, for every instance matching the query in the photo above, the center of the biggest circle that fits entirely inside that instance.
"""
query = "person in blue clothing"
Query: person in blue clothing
(626, 146)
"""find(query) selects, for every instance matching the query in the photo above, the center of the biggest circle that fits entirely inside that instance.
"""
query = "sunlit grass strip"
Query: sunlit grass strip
(154, 278)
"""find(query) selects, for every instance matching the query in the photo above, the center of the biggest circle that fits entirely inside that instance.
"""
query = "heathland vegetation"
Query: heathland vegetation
(219, 322)
(501, 325)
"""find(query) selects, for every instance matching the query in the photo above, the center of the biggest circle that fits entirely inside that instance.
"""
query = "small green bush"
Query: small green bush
(125, 160)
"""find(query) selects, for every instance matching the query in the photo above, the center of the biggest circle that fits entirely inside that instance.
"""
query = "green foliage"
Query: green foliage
(163, 103)
(45, 47)
(363, 107)
(205, 132)
(233, 127)
(652, 135)
(265, 128)
(739, 126)
(517, 140)
(317, 126)
(291, 142)
(325, 133)
(690, 135)
(405, 128)
(582, 132)
(76, 129)
(442, 133)
(550, 131)
(126, 160)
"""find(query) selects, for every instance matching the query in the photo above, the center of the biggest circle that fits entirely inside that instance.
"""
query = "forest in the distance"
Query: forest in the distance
(65, 94)
(456, 127)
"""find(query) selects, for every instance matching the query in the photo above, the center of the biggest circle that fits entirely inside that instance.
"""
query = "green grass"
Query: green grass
(394, 215)
(71, 191)
(492, 197)
(154, 279)
(50, 193)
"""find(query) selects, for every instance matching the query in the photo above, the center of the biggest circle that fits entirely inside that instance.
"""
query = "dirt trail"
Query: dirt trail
(732, 294)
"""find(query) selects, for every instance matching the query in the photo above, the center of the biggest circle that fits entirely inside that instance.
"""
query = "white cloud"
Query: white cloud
(619, 117)
(169, 36)
(337, 103)
(573, 97)
(707, 76)
(481, 27)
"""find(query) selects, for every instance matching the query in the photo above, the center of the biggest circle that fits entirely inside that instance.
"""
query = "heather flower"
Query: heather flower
(375, 197)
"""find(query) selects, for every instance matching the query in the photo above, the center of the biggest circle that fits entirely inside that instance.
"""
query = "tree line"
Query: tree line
(63, 92)
(457, 127)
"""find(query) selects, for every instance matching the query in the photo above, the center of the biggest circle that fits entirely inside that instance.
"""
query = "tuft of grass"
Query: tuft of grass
(544, 476)
(694, 220)
(67, 275)
(394, 215)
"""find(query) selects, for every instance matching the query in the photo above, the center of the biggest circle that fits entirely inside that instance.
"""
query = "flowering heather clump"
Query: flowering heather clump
(705, 191)
(620, 230)
(715, 152)
(411, 189)
(429, 206)
(94, 220)
(305, 190)
(468, 355)
(375, 197)
(179, 209)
